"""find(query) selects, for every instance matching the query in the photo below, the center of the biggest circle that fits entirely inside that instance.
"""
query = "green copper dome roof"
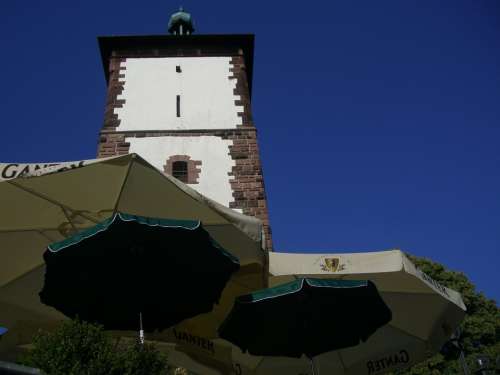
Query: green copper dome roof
(180, 23)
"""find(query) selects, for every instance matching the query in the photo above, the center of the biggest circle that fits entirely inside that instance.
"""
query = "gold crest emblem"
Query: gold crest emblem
(332, 265)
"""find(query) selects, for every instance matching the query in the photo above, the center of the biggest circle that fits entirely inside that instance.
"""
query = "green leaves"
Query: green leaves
(143, 360)
(80, 348)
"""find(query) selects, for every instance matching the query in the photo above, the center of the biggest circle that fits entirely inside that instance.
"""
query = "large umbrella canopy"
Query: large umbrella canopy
(424, 315)
(64, 199)
(424, 312)
(166, 270)
(305, 317)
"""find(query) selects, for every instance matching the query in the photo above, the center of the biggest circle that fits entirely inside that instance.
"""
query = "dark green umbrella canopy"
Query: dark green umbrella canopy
(306, 316)
(168, 270)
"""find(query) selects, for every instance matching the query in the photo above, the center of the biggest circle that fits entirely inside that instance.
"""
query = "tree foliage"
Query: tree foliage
(80, 348)
(480, 328)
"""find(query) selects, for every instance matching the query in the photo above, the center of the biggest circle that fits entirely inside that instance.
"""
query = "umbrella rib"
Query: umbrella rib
(31, 270)
(54, 202)
(129, 167)
(407, 333)
(69, 219)
(344, 367)
(41, 233)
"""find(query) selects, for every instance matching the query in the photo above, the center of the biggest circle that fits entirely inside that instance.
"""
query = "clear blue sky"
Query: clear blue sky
(379, 121)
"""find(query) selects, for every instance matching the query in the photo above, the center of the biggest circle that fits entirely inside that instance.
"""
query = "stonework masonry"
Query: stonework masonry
(238, 71)
(245, 178)
(115, 88)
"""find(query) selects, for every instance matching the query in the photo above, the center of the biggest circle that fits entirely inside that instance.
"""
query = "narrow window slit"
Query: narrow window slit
(178, 106)
(178, 69)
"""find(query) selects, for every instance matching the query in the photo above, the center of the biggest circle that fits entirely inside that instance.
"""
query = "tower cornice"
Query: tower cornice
(173, 45)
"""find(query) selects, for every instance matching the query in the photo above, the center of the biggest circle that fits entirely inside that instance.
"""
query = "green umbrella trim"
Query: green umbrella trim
(297, 285)
(103, 225)
(330, 283)
(153, 222)
(165, 223)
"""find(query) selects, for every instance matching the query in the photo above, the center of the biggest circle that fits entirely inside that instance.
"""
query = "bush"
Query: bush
(80, 348)
(144, 360)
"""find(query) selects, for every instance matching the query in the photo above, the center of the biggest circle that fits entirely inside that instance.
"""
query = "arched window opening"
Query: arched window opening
(180, 171)
(183, 168)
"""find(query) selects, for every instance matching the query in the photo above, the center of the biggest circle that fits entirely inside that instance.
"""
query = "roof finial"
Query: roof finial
(181, 23)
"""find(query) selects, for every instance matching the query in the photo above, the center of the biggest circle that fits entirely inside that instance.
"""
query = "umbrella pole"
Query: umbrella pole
(463, 363)
(141, 331)
(313, 366)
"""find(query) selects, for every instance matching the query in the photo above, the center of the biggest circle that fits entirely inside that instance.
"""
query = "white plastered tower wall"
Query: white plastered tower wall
(202, 84)
(182, 93)
(213, 152)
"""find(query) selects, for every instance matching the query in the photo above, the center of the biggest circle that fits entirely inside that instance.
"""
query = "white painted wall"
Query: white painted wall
(152, 85)
(213, 152)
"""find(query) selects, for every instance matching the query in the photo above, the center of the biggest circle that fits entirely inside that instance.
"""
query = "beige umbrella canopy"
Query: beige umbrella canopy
(50, 203)
(424, 312)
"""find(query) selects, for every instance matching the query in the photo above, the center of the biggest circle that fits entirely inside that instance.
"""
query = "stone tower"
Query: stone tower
(182, 102)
